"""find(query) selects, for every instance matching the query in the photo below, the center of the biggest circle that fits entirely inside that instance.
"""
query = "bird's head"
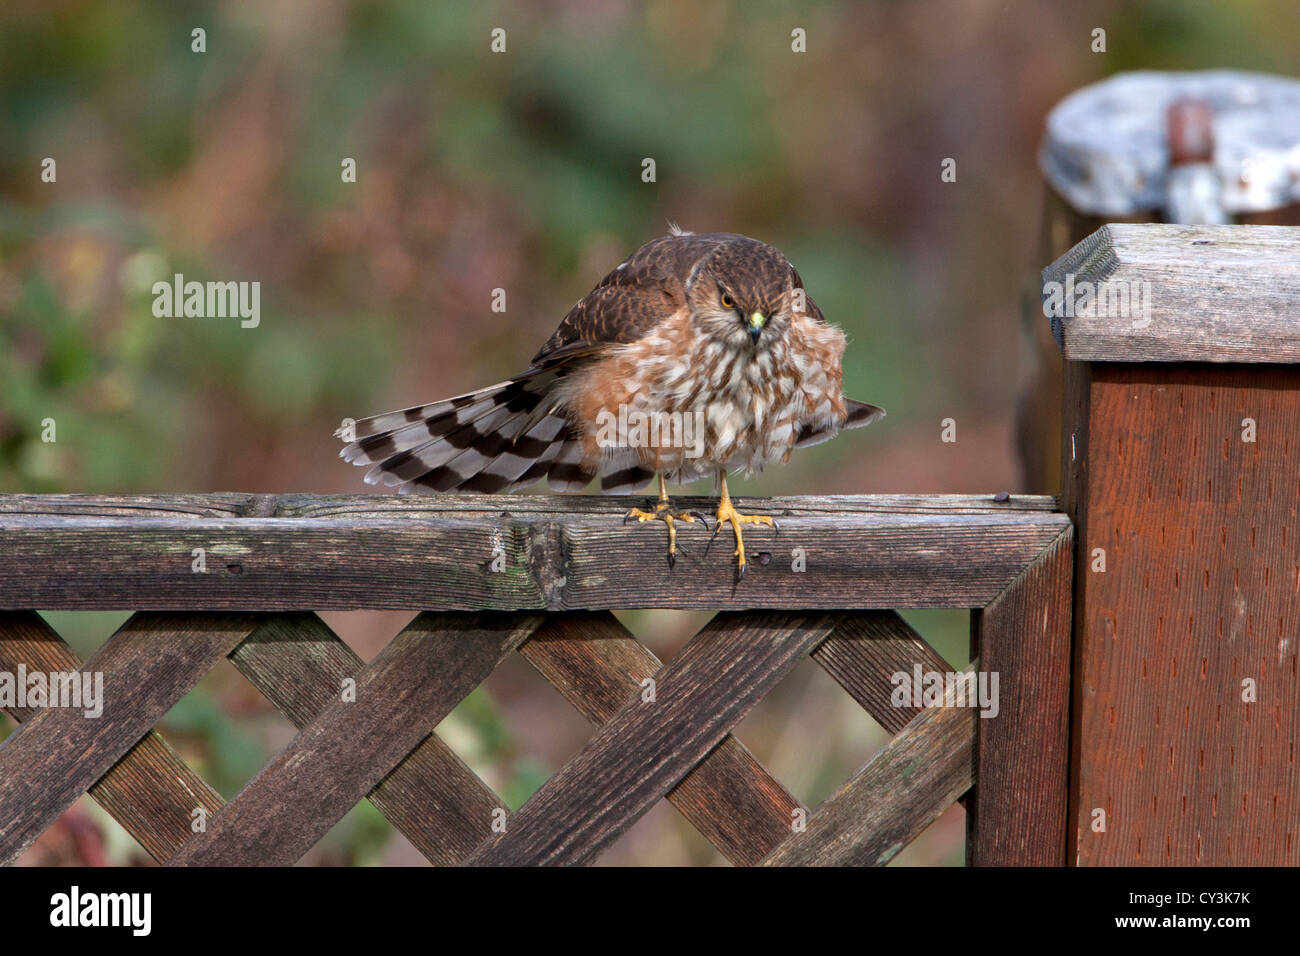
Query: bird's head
(742, 294)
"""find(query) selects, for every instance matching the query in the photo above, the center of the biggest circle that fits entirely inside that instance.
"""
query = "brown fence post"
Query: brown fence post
(1181, 457)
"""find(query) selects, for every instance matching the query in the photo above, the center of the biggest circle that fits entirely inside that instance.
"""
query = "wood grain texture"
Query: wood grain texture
(151, 791)
(1201, 591)
(432, 797)
(1217, 294)
(300, 552)
(729, 797)
(57, 755)
(645, 749)
(902, 790)
(1018, 814)
(349, 746)
(864, 653)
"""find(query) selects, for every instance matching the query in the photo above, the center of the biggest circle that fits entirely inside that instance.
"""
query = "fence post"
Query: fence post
(1181, 470)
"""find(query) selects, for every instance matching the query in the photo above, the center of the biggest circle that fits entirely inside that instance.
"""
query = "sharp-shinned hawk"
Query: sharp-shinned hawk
(698, 355)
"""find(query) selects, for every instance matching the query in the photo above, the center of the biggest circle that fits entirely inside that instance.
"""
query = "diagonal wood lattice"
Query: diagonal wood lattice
(390, 754)
(673, 743)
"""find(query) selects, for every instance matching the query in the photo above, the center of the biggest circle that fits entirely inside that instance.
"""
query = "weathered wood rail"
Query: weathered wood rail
(538, 576)
(331, 552)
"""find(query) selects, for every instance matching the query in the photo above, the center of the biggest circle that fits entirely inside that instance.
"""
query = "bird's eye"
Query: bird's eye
(727, 301)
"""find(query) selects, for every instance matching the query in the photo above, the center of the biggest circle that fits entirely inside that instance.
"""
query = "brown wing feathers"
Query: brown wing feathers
(509, 435)
(632, 299)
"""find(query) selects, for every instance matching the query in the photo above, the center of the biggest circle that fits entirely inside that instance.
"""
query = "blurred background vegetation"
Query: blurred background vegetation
(520, 171)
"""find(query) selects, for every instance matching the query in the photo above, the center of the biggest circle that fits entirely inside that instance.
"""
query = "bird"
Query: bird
(699, 355)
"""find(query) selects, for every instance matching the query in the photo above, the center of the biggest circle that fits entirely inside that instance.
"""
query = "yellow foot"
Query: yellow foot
(734, 518)
(665, 512)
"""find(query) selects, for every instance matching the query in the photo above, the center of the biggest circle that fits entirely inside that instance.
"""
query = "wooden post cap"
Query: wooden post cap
(1150, 292)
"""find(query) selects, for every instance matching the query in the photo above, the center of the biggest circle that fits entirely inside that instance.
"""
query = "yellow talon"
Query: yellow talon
(728, 513)
(663, 512)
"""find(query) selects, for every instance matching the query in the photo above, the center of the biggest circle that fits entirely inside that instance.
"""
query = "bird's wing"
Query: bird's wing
(811, 306)
(858, 415)
(631, 301)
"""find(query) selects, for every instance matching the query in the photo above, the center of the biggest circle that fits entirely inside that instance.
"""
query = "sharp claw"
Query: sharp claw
(740, 571)
(672, 560)
(703, 519)
(629, 516)
(777, 526)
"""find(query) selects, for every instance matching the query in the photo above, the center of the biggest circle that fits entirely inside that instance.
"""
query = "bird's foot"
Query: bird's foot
(665, 512)
(727, 513)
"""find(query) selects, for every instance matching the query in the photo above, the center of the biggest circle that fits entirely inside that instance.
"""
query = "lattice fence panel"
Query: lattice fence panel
(674, 743)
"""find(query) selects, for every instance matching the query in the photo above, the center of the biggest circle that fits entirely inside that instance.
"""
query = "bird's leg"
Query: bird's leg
(734, 518)
(665, 512)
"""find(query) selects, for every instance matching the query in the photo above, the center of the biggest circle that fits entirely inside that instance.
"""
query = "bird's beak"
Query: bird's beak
(756, 323)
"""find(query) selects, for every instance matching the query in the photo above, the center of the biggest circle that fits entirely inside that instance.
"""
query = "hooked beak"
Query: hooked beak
(756, 323)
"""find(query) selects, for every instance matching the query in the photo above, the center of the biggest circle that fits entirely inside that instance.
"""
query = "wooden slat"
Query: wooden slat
(561, 553)
(349, 746)
(151, 791)
(1217, 294)
(147, 666)
(1019, 813)
(645, 749)
(730, 798)
(865, 651)
(432, 797)
(901, 790)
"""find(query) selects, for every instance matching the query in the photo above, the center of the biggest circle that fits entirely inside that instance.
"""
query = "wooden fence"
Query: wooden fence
(1175, 622)
(271, 562)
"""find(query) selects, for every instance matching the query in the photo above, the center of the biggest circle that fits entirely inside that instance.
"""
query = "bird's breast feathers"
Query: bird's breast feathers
(705, 403)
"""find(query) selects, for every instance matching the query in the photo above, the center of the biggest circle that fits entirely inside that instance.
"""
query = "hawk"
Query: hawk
(699, 355)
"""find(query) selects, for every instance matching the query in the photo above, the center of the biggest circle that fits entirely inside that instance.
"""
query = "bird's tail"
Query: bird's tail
(499, 438)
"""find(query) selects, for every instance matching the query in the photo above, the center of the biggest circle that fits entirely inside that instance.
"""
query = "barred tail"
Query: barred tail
(499, 438)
